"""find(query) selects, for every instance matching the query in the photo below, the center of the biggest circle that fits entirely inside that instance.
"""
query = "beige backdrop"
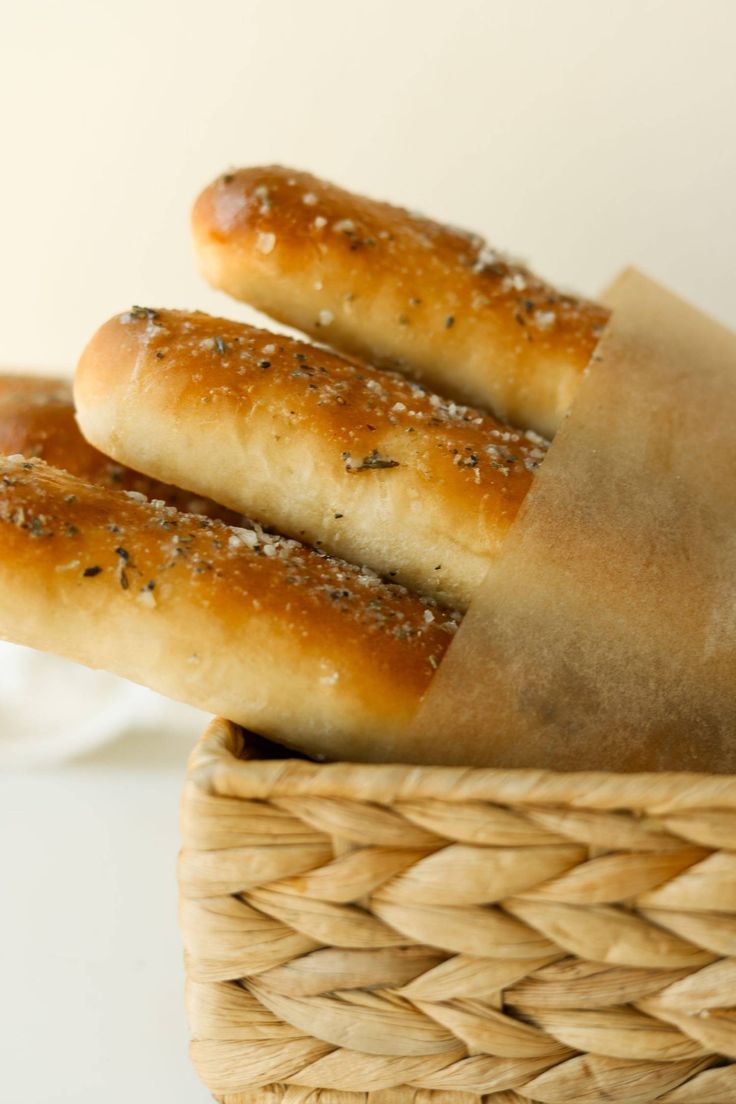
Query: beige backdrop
(582, 134)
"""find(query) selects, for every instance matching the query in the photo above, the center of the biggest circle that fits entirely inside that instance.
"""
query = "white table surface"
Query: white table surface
(91, 975)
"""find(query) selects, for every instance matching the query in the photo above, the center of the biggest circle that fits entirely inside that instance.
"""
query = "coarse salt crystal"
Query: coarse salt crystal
(399, 407)
(535, 438)
(67, 566)
(265, 242)
(544, 319)
(320, 222)
(269, 350)
(244, 536)
(487, 256)
(309, 198)
(345, 226)
(318, 285)
(261, 192)
(325, 317)
(136, 496)
(428, 616)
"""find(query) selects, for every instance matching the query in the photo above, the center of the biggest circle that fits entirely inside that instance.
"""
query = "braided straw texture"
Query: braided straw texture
(430, 935)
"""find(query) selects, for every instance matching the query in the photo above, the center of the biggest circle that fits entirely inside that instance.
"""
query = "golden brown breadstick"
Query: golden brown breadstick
(306, 649)
(360, 462)
(37, 419)
(397, 289)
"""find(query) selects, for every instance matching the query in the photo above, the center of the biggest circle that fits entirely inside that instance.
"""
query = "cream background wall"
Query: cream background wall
(583, 134)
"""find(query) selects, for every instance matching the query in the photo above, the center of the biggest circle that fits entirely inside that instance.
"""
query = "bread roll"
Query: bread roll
(307, 650)
(360, 462)
(37, 419)
(397, 289)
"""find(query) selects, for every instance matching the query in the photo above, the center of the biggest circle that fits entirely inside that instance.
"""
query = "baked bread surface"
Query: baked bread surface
(397, 289)
(305, 649)
(361, 462)
(37, 419)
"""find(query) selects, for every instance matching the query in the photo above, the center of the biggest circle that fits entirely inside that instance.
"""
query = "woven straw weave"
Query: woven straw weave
(413, 935)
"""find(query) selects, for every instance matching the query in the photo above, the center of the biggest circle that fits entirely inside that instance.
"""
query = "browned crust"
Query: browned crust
(361, 462)
(37, 419)
(306, 649)
(382, 283)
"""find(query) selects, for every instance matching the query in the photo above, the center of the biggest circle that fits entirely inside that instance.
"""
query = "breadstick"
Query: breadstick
(360, 462)
(37, 419)
(305, 649)
(399, 290)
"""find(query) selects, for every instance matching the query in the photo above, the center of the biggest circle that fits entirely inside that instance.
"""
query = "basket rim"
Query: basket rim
(225, 763)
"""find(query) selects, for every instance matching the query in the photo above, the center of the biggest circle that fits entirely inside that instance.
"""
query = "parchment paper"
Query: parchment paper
(604, 637)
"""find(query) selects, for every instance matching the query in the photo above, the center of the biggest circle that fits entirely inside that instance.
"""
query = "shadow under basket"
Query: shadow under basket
(432, 935)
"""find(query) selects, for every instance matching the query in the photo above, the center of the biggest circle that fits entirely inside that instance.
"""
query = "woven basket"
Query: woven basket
(430, 935)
